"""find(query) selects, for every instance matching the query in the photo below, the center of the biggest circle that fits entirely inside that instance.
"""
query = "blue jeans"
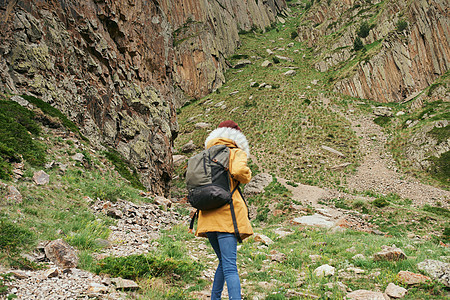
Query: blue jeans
(225, 246)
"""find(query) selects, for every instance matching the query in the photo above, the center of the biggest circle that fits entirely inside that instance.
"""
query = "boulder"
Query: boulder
(389, 253)
(324, 270)
(290, 73)
(61, 254)
(383, 111)
(266, 63)
(41, 178)
(395, 291)
(366, 295)
(438, 270)
(411, 278)
(258, 183)
(78, 157)
(125, 284)
(162, 201)
(178, 160)
(262, 239)
(189, 147)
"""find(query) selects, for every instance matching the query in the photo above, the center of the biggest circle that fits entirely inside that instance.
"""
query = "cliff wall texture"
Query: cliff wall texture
(398, 62)
(116, 67)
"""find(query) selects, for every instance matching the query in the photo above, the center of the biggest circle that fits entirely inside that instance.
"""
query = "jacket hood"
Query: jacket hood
(236, 137)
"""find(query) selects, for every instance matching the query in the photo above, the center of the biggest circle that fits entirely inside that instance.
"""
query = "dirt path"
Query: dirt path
(378, 172)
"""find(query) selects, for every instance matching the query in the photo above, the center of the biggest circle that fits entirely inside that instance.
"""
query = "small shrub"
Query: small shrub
(363, 30)
(382, 121)
(401, 25)
(13, 237)
(140, 266)
(357, 44)
(380, 202)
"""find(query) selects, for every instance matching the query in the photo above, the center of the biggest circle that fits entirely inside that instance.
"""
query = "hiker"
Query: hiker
(217, 224)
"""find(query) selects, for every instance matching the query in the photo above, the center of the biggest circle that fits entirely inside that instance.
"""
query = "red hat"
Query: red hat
(229, 124)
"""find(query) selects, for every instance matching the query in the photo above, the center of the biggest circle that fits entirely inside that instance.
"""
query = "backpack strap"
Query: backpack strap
(191, 225)
(233, 216)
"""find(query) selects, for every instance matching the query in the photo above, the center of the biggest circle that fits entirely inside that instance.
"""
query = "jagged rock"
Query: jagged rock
(13, 194)
(114, 213)
(270, 52)
(284, 58)
(189, 147)
(395, 291)
(383, 111)
(277, 256)
(202, 125)
(411, 278)
(41, 178)
(178, 160)
(438, 270)
(125, 284)
(314, 220)
(53, 272)
(266, 64)
(258, 183)
(262, 239)
(78, 156)
(329, 149)
(61, 254)
(97, 288)
(389, 253)
(366, 295)
(324, 270)
(290, 73)
(166, 203)
(242, 63)
(22, 102)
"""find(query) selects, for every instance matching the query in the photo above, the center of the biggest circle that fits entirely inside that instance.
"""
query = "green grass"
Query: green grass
(126, 170)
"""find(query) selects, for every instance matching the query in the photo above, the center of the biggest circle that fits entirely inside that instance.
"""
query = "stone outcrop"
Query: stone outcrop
(399, 63)
(113, 67)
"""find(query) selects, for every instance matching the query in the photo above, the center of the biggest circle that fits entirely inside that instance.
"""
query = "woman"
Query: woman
(217, 224)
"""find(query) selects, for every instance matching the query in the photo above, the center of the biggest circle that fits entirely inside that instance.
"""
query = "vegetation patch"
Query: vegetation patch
(124, 169)
(17, 132)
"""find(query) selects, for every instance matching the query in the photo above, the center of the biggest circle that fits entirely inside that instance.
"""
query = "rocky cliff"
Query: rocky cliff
(406, 49)
(116, 67)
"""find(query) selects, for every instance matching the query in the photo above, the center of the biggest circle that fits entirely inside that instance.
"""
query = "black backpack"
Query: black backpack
(208, 182)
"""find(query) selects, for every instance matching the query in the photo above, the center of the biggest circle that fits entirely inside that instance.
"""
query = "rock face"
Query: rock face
(400, 62)
(438, 270)
(112, 66)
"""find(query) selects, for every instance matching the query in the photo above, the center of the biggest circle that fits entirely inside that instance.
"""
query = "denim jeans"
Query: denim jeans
(225, 246)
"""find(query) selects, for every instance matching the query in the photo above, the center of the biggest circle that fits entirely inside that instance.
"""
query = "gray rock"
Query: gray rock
(395, 291)
(164, 202)
(202, 125)
(125, 284)
(290, 73)
(266, 63)
(262, 238)
(437, 270)
(383, 111)
(14, 195)
(78, 157)
(53, 272)
(389, 253)
(258, 183)
(270, 52)
(22, 102)
(41, 178)
(178, 160)
(284, 58)
(314, 220)
(114, 213)
(189, 147)
(366, 295)
(61, 254)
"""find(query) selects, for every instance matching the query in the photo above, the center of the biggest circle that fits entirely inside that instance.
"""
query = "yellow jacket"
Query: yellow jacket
(220, 220)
